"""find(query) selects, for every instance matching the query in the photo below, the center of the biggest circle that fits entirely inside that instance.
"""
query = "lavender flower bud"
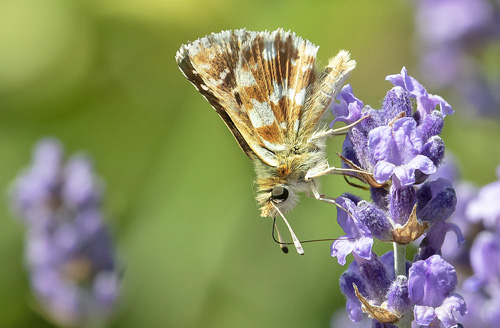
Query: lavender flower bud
(375, 220)
(401, 201)
(434, 150)
(429, 125)
(395, 102)
(375, 276)
(436, 201)
(397, 296)
(347, 279)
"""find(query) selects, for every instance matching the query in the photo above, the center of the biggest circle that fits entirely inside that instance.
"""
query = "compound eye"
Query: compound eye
(279, 193)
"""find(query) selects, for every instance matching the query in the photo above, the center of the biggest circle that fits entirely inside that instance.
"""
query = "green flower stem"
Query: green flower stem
(399, 259)
(400, 269)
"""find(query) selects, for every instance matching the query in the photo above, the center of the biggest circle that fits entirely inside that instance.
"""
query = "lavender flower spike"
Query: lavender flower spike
(69, 251)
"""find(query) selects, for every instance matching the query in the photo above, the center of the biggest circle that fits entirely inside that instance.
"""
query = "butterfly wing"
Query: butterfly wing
(257, 82)
(209, 64)
(324, 90)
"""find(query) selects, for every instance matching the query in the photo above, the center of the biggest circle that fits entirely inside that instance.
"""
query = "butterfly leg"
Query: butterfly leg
(336, 132)
(323, 198)
(332, 170)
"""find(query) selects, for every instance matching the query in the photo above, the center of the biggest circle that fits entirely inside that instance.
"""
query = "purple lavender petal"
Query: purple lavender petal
(451, 304)
(424, 315)
(426, 103)
(349, 109)
(347, 279)
(357, 238)
(383, 171)
(340, 249)
(382, 144)
(430, 281)
(408, 83)
(444, 106)
(404, 175)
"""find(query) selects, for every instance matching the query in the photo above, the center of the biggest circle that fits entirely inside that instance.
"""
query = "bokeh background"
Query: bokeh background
(101, 76)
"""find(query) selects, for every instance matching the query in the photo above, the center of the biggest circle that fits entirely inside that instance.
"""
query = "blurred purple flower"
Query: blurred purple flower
(69, 251)
(485, 261)
(454, 37)
(477, 260)
(485, 206)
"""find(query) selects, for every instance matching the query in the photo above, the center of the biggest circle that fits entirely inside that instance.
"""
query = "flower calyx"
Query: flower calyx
(411, 231)
(377, 312)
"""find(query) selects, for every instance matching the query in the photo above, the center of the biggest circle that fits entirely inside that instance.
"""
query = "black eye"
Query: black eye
(279, 193)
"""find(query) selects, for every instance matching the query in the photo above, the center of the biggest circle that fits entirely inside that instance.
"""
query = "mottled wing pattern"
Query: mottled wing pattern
(274, 73)
(324, 90)
(209, 64)
(257, 82)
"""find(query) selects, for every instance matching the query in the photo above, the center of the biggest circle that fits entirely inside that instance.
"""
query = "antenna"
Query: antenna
(280, 241)
(296, 241)
(283, 244)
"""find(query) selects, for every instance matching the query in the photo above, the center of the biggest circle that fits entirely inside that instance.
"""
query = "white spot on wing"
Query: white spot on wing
(274, 147)
(300, 97)
(266, 156)
(269, 51)
(203, 67)
(245, 78)
(261, 114)
(224, 73)
(306, 67)
(278, 93)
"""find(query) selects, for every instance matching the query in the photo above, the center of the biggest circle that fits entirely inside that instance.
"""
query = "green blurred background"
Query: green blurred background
(101, 77)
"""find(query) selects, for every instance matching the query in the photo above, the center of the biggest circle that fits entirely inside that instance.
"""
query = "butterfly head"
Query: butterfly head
(278, 188)
(279, 196)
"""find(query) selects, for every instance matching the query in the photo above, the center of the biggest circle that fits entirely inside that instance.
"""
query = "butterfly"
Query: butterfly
(265, 87)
